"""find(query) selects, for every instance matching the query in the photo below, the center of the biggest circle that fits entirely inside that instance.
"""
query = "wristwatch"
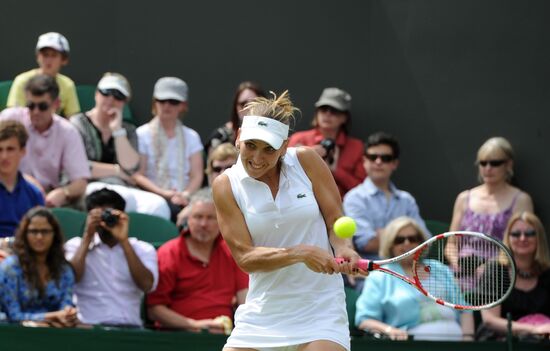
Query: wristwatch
(119, 132)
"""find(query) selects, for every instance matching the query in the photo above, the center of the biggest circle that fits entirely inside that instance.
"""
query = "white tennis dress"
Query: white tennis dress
(291, 305)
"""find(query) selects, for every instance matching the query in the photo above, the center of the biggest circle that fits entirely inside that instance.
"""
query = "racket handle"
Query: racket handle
(361, 264)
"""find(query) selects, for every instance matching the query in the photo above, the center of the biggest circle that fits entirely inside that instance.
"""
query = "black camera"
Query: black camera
(328, 144)
(109, 217)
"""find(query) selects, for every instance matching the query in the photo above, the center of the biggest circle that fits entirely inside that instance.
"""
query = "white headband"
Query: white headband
(266, 129)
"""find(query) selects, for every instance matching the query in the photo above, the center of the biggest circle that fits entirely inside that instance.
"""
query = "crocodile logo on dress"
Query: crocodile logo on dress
(263, 124)
(300, 196)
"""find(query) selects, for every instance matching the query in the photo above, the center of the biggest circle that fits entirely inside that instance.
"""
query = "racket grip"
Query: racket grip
(361, 264)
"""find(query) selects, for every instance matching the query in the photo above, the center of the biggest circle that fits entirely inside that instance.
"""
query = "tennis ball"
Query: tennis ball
(344, 227)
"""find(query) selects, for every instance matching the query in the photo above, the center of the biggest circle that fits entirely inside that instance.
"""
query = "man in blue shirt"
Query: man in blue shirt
(376, 201)
(17, 195)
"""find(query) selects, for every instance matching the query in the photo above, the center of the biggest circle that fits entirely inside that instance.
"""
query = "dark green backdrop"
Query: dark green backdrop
(441, 75)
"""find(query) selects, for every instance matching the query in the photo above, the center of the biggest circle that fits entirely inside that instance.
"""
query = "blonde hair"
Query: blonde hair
(392, 229)
(278, 108)
(493, 145)
(542, 255)
(222, 152)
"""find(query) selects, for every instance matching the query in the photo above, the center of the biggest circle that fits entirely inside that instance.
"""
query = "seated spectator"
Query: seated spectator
(171, 153)
(330, 139)
(377, 201)
(488, 207)
(111, 146)
(390, 306)
(36, 283)
(52, 53)
(17, 195)
(198, 277)
(246, 92)
(112, 271)
(529, 301)
(222, 157)
(54, 150)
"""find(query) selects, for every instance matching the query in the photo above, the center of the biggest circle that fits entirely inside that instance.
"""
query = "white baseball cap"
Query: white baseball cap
(266, 129)
(115, 81)
(53, 40)
(170, 88)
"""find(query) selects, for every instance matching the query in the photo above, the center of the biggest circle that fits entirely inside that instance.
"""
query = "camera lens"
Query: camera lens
(328, 144)
(109, 217)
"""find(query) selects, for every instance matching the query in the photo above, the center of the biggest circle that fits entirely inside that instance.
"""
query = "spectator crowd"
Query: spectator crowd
(52, 154)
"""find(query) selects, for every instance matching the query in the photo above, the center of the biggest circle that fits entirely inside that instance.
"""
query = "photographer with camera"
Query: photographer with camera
(329, 138)
(112, 271)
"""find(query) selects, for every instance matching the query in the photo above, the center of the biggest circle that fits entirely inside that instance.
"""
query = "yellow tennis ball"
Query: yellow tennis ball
(345, 227)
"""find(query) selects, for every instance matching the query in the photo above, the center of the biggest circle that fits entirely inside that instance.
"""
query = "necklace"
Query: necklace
(524, 274)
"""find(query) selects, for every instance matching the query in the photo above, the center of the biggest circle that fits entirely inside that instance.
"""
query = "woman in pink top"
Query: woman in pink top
(488, 207)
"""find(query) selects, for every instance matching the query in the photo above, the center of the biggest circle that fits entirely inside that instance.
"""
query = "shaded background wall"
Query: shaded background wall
(442, 76)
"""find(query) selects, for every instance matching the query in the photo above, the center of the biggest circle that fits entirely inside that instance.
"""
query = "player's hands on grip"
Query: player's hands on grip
(349, 265)
(317, 259)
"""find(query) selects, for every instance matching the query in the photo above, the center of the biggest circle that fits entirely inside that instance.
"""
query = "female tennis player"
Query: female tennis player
(276, 208)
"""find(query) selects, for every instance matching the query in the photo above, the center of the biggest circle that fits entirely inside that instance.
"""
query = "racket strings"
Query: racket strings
(468, 271)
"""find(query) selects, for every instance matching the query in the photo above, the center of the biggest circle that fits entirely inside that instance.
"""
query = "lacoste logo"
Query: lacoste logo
(300, 196)
(263, 124)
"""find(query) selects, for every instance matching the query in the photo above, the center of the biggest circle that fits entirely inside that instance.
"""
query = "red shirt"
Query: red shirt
(193, 288)
(349, 171)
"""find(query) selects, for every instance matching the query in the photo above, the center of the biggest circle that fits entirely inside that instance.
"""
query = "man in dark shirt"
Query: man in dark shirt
(17, 195)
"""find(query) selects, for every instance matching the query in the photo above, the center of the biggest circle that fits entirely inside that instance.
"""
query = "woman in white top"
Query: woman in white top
(276, 207)
(171, 153)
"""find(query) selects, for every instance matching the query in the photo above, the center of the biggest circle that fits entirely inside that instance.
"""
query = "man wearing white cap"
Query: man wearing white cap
(276, 207)
(172, 164)
(52, 53)
(111, 146)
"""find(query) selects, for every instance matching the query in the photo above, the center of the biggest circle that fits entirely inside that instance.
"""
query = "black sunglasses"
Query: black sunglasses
(220, 169)
(172, 102)
(386, 158)
(42, 106)
(528, 234)
(330, 109)
(114, 93)
(492, 163)
(413, 239)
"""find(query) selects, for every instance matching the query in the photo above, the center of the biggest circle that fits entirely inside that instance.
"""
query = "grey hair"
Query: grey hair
(202, 195)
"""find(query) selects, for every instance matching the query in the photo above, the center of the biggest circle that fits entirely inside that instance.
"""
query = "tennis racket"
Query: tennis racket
(482, 276)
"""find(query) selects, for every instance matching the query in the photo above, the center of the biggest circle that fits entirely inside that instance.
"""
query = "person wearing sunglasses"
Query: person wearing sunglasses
(52, 54)
(377, 201)
(37, 282)
(529, 301)
(246, 92)
(487, 207)
(394, 309)
(111, 146)
(222, 157)
(55, 155)
(330, 138)
(172, 163)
